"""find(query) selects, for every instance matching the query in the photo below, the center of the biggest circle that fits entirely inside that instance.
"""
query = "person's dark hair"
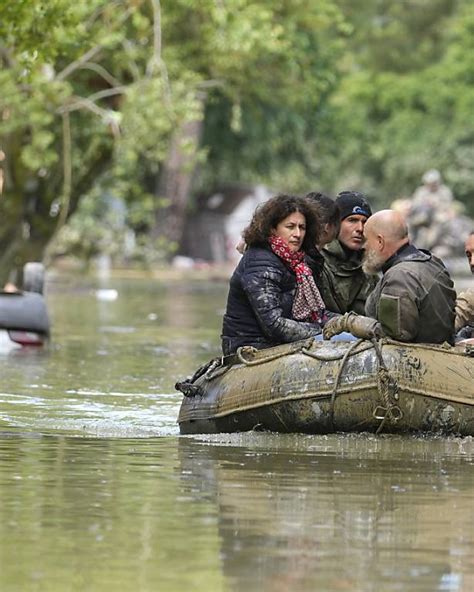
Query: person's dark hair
(268, 215)
(328, 208)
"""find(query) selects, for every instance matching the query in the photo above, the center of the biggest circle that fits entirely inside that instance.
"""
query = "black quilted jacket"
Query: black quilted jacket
(258, 313)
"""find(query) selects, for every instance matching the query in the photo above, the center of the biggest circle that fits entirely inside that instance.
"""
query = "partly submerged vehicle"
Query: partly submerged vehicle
(23, 314)
(322, 387)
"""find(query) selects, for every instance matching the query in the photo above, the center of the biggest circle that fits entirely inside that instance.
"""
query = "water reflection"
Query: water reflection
(86, 514)
(111, 365)
(354, 513)
(99, 492)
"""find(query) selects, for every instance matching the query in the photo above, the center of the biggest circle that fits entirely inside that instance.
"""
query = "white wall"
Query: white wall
(241, 217)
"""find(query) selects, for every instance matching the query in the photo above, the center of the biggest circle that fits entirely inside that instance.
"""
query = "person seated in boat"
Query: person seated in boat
(464, 322)
(328, 212)
(415, 297)
(329, 229)
(329, 215)
(273, 298)
(344, 285)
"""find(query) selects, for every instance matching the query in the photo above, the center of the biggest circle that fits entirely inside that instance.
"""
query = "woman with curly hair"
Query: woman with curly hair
(273, 298)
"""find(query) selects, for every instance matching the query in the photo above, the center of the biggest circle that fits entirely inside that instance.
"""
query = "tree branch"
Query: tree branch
(156, 60)
(108, 92)
(106, 115)
(83, 103)
(79, 62)
(133, 65)
(92, 52)
(106, 75)
(67, 171)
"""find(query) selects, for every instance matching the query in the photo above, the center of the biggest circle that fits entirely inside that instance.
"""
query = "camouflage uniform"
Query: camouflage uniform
(342, 283)
(464, 323)
(414, 300)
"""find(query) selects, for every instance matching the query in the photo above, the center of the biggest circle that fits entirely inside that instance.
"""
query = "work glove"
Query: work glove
(358, 325)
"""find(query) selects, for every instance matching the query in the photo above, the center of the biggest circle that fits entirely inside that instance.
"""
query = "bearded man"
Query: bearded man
(414, 299)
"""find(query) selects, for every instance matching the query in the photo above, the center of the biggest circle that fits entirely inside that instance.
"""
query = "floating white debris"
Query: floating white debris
(106, 294)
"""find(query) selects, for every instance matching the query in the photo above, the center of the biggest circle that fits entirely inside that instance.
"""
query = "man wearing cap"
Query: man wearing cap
(343, 284)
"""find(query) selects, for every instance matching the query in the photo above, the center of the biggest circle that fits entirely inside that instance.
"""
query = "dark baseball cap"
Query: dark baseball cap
(353, 203)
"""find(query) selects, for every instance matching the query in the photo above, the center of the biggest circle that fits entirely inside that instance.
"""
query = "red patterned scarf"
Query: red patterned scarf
(308, 304)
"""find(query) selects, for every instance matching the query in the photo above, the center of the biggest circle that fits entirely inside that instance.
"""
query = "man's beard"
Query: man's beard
(372, 263)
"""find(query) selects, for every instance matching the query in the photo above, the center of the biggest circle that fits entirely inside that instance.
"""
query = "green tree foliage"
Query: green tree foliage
(403, 105)
(265, 130)
(151, 100)
(103, 91)
(391, 97)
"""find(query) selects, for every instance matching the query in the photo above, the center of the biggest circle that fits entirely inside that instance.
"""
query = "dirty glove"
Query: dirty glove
(358, 325)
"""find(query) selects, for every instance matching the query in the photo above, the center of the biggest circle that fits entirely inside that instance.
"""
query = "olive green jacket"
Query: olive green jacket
(414, 300)
(464, 309)
(342, 283)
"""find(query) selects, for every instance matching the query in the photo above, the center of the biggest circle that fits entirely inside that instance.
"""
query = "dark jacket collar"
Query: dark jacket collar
(406, 252)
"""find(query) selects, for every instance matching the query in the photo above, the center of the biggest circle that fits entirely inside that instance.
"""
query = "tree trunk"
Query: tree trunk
(23, 238)
(174, 185)
(26, 223)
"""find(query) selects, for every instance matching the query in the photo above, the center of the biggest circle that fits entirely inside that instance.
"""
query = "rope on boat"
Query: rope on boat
(338, 376)
(263, 360)
(217, 370)
(187, 386)
(386, 385)
(335, 357)
(388, 390)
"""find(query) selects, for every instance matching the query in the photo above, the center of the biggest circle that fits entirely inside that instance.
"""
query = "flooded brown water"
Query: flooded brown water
(99, 492)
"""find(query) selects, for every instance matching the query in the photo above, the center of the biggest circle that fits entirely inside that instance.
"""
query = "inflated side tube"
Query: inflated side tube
(24, 311)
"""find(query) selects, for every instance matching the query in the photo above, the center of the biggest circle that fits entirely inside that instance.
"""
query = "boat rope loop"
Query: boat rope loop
(388, 390)
(324, 357)
(248, 349)
(345, 357)
(209, 371)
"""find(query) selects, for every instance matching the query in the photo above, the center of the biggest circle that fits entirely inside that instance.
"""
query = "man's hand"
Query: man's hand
(358, 325)
(334, 326)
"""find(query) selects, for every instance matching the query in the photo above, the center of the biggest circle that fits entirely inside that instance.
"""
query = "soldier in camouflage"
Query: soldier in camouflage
(344, 285)
(464, 323)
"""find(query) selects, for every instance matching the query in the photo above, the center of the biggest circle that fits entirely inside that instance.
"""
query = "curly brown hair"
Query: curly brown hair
(269, 214)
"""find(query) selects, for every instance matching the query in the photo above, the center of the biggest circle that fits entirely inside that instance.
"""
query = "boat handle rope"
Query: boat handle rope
(246, 348)
(388, 390)
(338, 377)
(217, 370)
(187, 386)
(333, 358)
(386, 386)
(303, 348)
